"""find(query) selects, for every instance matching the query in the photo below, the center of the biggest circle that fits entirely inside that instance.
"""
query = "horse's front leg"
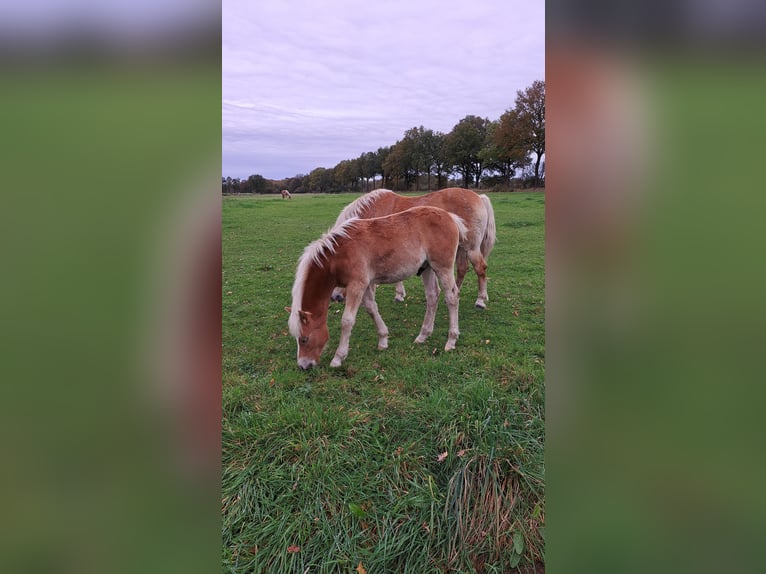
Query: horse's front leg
(368, 300)
(353, 299)
(432, 300)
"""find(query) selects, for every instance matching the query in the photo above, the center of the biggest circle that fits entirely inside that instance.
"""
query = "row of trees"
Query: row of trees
(477, 149)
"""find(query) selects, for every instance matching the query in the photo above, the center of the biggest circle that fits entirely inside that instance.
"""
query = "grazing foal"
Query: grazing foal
(475, 210)
(360, 253)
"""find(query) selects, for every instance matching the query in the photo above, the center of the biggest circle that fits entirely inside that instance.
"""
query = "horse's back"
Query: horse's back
(413, 219)
(402, 240)
(457, 200)
(420, 229)
(382, 202)
(462, 202)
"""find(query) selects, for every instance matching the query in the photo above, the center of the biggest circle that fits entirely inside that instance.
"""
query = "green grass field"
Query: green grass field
(344, 470)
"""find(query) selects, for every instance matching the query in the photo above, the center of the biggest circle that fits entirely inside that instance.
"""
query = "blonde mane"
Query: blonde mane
(356, 207)
(315, 253)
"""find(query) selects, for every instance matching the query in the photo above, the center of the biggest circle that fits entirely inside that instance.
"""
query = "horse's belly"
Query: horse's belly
(400, 272)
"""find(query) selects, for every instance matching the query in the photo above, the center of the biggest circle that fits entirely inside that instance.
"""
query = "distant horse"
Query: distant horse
(360, 253)
(475, 210)
(286, 194)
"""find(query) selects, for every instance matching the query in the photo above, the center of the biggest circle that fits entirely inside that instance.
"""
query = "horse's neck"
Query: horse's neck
(317, 290)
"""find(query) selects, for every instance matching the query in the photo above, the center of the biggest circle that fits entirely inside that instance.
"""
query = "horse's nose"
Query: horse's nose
(305, 364)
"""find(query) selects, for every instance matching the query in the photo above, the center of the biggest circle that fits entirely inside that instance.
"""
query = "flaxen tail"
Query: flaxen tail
(461, 227)
(490, 233)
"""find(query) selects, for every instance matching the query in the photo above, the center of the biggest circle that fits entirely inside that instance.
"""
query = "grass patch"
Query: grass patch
(330, 468)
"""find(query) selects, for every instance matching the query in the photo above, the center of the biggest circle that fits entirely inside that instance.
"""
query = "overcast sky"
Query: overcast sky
(309, 83)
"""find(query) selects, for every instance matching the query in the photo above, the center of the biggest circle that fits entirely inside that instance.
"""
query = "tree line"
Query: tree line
(502, 153)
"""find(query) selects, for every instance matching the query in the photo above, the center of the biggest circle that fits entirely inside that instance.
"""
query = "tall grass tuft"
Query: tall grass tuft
(479, 509)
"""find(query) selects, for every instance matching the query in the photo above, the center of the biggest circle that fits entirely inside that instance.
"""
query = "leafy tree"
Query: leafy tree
(297, 184)
(490, 154)
(254, 184)
(339, 173)
(419, 159)
(380, 158)
(506, 144)
(321, 179)
(392, 166)
(530, 116)
(398, 164)
(434, 148)
(366, 168)
(464, 144)
(227, 185)
(345, 174)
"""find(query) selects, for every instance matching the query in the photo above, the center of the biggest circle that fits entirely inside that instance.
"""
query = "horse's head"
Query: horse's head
(312, 339)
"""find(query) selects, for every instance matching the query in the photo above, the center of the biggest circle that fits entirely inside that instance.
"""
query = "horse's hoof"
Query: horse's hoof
(399, 299)
(480, 306)
(335, 363)
(420, 339)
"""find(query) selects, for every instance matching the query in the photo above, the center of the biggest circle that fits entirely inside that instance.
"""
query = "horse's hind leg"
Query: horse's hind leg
(461, 264)
(432, 300)
(452, 298)
(368, 300)
(353, 299)
(400, 292)
(480, 266)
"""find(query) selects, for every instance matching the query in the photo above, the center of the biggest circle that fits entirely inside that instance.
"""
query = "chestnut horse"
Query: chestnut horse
(360, 253)
(475, 210)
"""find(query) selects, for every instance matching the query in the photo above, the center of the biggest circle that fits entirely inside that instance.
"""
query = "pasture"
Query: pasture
(410, 459)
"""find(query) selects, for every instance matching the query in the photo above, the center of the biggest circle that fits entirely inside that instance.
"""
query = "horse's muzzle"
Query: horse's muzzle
(305, 364)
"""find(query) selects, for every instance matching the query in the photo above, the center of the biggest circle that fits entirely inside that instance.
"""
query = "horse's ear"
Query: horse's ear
(304, 316)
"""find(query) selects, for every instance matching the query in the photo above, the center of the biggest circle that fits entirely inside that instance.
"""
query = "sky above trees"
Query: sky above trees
(307, 84)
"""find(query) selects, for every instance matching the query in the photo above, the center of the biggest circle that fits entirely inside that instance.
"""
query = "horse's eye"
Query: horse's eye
(304, 340)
